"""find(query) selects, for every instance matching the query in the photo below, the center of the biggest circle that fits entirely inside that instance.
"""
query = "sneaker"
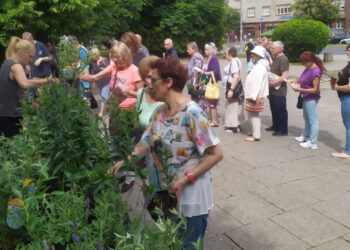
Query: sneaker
(229, 131)
(308, 144)
(301, 138)
(236, 130)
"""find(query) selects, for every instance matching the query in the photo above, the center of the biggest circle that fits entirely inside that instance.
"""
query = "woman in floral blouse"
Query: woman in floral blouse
(182, 128)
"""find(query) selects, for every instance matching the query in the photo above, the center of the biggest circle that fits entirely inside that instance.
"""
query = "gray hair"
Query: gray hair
(193, 45)
(278, 44)
(27, 35)
(211, 47)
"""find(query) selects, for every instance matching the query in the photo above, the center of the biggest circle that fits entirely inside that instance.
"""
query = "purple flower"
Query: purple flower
(75, 238)
(85, 237)
(113, 207)
(87, 204)
(75, 226)
(98, 245)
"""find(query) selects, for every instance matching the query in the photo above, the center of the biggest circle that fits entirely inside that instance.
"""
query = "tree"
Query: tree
(50, 19)
(321, 10)
(183, 21)
(231, 19)
(99, 20)
(299, 35)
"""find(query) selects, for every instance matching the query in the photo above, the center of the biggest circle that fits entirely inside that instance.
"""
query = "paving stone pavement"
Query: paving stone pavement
(274, 194)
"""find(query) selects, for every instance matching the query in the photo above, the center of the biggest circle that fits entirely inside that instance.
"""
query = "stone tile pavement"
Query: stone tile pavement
(273, 194)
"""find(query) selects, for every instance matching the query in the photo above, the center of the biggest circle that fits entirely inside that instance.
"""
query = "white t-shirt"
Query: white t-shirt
(234, 67)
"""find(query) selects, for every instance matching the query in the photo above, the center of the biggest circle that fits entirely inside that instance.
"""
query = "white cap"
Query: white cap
(259, 50)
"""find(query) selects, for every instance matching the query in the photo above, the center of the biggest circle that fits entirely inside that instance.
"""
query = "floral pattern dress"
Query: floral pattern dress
(184, 137)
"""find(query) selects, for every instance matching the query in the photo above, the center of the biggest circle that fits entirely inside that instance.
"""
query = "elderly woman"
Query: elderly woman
(212, 65)
(196, 60)
(233, 106)
(13, 81)
(131, 41)
(98, 64)
(256, 89)
(125, 79)
(124, 84)
(342, 86)
(310, 90)
(182, 128)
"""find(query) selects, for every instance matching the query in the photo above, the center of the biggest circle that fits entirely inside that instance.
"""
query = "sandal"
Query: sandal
(251, 139)
(214, 124)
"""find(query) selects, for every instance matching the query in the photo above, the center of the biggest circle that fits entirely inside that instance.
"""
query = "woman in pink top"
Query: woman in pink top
(125, 79)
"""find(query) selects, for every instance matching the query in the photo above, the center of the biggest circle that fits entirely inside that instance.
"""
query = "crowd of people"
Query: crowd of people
(154, 86)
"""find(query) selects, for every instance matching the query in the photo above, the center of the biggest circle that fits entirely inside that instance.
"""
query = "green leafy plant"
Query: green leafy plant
(300, 35)
(58, 167)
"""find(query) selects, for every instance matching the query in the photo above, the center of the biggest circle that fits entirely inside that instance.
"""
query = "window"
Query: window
(265, 11)
(251, 12)
(282, 10)
(340, 25)
(341, 4)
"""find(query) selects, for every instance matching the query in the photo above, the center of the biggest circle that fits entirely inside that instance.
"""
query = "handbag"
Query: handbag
(300, 101)
(212, 91)
(238, 90)
(89, 96)
(254, 106)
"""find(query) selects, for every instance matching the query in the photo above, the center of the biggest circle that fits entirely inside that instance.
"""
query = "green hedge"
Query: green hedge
(300, 35)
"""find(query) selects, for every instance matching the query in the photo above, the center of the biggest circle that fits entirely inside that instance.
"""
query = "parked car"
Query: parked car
(345, 41)
(337, 38)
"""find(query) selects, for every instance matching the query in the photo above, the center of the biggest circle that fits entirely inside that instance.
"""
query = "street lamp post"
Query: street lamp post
(241, 26)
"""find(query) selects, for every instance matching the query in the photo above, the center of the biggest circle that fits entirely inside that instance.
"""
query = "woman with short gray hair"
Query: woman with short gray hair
(212, 65)
(196, 60)
(233, 104)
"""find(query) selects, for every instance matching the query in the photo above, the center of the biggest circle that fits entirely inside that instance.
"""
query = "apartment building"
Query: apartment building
(260, 16)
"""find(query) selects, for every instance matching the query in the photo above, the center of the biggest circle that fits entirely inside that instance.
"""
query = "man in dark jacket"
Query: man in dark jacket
(248, 48)
(170, 50)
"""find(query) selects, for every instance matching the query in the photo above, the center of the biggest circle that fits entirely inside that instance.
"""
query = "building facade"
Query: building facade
(260, 16)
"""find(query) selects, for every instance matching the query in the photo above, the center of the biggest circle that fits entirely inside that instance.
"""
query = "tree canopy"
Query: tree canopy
(99, 20)
(231, 19)
(321, 10)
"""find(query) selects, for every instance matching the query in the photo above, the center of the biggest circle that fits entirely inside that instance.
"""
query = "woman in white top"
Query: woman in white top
(233, 106)
(256, 89)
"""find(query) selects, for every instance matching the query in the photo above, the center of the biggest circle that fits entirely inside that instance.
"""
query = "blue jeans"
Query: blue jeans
(345, 113)
(195, 228)
(278, 106)
(311, 120)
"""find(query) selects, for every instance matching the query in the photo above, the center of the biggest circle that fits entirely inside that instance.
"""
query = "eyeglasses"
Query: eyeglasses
(116, 57)
(154, 80)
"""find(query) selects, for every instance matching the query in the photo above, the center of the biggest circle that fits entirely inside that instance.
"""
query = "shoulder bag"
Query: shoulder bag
(212, 91)
(254, 106)
(300, 102)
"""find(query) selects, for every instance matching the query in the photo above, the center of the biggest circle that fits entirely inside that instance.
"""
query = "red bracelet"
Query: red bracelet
(190, 176)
